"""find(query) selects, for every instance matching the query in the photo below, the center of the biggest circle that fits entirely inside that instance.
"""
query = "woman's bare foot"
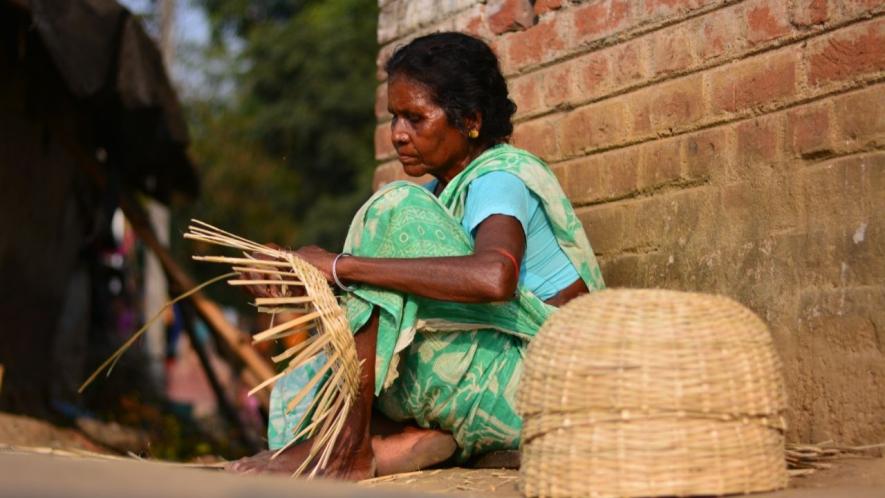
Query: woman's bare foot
(345, 463)
(352, 457)
(412, 449)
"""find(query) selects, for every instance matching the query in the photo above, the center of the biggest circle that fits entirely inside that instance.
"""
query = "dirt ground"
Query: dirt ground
(16, 430)
(22, 440)
(855, 477)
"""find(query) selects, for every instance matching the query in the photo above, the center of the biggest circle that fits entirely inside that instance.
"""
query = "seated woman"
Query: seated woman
(445, 283)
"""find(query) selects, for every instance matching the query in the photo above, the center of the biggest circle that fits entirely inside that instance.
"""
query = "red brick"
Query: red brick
(383, 55)
(717, 34)
(809, 12)
(848, 53)
(383, 147)
(758, 81)
(671, 8)
(861, 117)
(758, 144)
(510, 15)
(639, 113)
(670, 50)
(544, 6)
(766, 20)
(599, 19)
(381, 102)
(853, 9)
(622, 270)
(838, 191)
(628, 65)
(809, 129)
(660, 163)
(593, 75)
(501, 49)
(674, 104)
(707, 154)
(526, 92)
(606, 176)
(592, 127)
(538, 137)
(472, 22)
(540, 43)
(558, 85)
(609, 226)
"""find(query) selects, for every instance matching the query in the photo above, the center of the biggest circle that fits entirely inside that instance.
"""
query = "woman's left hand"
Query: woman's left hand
(318, 257)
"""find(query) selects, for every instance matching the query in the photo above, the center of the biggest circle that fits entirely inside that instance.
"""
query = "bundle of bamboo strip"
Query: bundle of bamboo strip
(804, 459)
(319, 314)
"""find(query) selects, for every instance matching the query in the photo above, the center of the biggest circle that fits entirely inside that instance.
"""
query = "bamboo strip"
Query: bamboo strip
(228, 234)
(244, 269)
(285, 355)
(240, 261)
(291, 283)
(310, 385)
(112, 360)
(276, 310)
(324, 396)
(269, 381)
(330, 334)
(271, 332)
(270, 301)
(319, 441)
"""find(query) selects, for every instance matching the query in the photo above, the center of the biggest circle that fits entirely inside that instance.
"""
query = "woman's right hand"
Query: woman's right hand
(268, 290)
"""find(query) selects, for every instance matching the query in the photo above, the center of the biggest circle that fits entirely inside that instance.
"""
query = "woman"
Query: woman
(445, 283)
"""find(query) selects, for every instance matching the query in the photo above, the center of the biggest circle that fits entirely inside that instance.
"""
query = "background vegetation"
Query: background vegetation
(283, 125)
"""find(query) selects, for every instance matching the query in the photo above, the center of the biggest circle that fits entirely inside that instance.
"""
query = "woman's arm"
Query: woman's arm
(485, 276)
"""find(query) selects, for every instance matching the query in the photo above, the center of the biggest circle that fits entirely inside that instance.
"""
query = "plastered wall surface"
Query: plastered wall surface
(731, 147)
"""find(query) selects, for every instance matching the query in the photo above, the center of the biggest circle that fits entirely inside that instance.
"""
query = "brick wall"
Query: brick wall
(732, 147)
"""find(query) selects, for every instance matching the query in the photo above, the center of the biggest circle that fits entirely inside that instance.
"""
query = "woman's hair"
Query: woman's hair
(463, 76)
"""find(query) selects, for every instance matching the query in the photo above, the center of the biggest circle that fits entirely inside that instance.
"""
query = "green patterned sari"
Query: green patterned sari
(441, 364)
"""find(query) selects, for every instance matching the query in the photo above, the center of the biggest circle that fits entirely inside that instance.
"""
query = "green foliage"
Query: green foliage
(311, 90)
(286, 155)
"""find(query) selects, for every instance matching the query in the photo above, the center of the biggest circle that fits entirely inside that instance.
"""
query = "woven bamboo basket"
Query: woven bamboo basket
(317, 312)
(652, 393)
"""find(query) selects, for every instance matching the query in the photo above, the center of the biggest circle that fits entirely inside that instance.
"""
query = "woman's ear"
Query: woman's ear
(472, 123)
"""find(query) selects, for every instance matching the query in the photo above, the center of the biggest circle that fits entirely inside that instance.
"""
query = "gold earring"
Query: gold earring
(474, 133)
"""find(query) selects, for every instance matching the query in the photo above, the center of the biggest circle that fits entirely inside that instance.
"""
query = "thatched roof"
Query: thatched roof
(111, 66)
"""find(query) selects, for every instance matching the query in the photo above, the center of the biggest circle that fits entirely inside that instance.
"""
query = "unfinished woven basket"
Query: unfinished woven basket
(316, 312)
(652, 393)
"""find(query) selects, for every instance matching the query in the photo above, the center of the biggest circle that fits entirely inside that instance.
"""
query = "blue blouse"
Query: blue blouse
(545, 268)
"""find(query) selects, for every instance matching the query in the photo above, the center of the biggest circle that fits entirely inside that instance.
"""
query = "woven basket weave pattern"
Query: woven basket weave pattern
(317, 312)
(649, 393)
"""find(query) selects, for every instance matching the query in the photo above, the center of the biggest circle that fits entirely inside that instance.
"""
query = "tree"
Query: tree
(285, 151)
(304, 98)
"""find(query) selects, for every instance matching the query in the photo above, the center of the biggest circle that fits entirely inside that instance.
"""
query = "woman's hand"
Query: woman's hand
(268, 290)
(318, 257)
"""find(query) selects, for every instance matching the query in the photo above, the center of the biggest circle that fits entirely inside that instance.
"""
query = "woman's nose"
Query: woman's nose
(398, 134)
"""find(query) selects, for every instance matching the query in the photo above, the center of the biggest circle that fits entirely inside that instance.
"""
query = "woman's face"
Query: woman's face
(425, 141)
